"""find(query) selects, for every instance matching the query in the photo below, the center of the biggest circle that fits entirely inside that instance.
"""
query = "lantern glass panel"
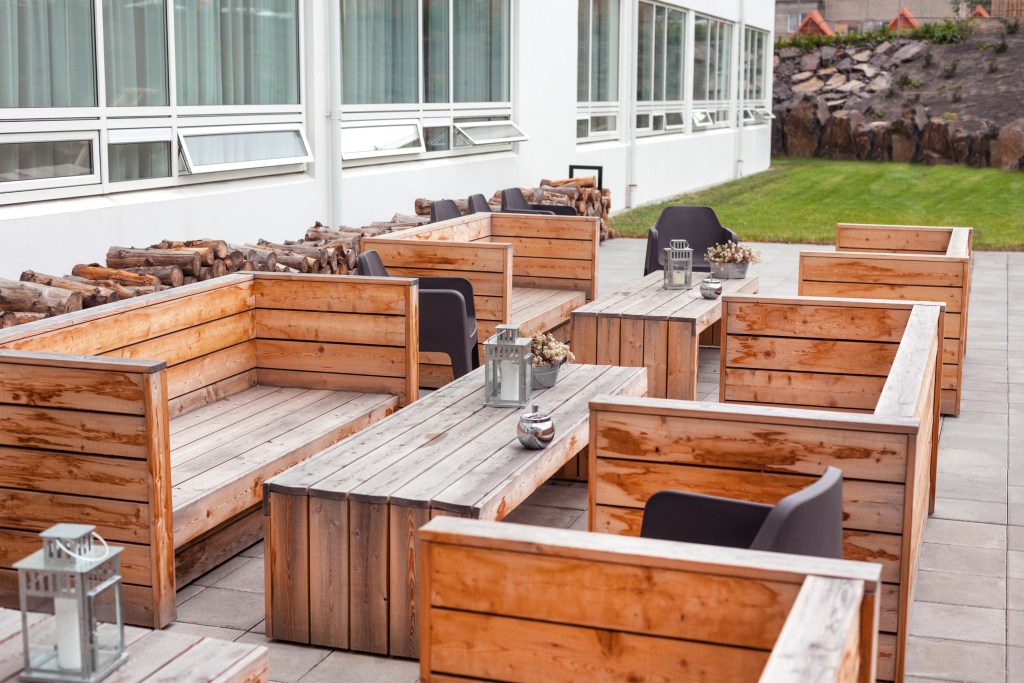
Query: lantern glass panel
(509, 370)
(678, 267)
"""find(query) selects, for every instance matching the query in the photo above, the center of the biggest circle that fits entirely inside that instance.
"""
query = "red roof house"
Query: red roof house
(813, 25)
(904, 20)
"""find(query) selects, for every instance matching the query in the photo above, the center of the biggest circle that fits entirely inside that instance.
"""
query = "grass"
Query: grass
(801, 200)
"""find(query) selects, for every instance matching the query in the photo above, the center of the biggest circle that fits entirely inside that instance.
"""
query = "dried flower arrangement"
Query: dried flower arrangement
(549, 351)
(731, 252)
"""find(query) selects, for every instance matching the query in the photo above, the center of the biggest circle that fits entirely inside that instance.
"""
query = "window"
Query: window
(597, 79)
(661, 35)
(712, 69)
(434, 63)
(88, 121)
(755, 55)
(385, 138)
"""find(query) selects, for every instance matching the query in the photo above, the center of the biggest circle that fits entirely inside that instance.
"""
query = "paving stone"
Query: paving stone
(957, 559)
(954, 487)
(951, 660)
(346, 667)
(538, 515)
(970, 510)
(189, 591)
(289, 662)
(225, 608)
(206, 631)
(217, 573)
(958, 622)
(255, 550)
(960, 589)
(556, 494)
(248, 577)
(956, 532)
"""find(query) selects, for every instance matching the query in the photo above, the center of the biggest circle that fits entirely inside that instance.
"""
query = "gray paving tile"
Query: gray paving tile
(970, 510)
(562, 495)
(207, 631)
(956, 532)
(960, 589)
(957, 559)
(189, 591)
(347, 667)
(288, 662)
(248, 577)
(538, 515)
(217, 573)
(255, 550)
(951, 660)
(963, 488)
(225, 608)
(958, 622)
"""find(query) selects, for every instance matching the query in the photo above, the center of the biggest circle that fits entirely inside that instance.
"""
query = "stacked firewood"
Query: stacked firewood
(580, 193)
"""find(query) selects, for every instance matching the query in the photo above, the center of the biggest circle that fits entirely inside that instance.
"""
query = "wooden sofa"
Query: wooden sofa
(158, 418)
(507, 602)
(902, 262)
(791, 407)
(526, 269)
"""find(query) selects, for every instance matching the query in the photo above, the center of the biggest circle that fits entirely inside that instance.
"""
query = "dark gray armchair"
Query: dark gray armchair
(443, 210)
(478, 204)
(447, 315)
(808, 522)
(513, 201)
(698, 225)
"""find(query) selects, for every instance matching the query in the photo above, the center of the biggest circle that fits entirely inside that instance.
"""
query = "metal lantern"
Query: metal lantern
(678, 265)
(509, 368)
(79, 583)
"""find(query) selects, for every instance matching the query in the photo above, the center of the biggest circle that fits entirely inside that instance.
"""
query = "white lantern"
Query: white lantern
(508, 364)
(79, 583)
(678, 265)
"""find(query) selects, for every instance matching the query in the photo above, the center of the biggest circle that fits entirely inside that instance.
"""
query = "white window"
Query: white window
(755, 56)
(228, 148)
(234, 62)
(597, 66)
(438, 63)
(661, 38)
(385, 138)
(712, 69)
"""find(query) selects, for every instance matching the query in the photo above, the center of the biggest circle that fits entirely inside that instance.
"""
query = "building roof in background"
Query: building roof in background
(813, 24)
(904, 20)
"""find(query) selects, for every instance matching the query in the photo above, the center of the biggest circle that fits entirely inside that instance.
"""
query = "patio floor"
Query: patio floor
(968, 617)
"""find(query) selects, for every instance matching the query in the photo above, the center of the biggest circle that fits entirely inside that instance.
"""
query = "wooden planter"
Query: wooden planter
(902, 262)
(806, 383)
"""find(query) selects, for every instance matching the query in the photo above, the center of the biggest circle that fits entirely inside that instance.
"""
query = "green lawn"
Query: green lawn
(801, 200)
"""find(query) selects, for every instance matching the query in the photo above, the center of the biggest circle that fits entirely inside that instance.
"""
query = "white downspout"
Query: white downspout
(741, 86)
(334, 73)
(631, 184)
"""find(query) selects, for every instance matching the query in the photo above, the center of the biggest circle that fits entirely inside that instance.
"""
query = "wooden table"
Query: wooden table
(641, 324)
(340, 528)
(153, 655)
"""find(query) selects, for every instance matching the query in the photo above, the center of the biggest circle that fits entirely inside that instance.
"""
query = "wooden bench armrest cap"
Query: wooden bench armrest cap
(824, 300)
(64, 360)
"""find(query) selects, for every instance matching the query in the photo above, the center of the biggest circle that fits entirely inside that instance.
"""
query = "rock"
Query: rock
(837, 138)
(909, 52)
(827, 53)
(801, 128)
(810, 61)
(903, 135)
(778, 131)
(789, 52)
(851, 86)
(882, 48)
(1008, 150)
(919, 114)
(836, 104)
(813, 85)
(834, 82)
(879, 61)
(982, 142)
(781, 91)
(845, 65)
(776, 60)
(936, 146)
(802, 76)
(826, 72)
(880, 83)
(863, 56)
(866, 69)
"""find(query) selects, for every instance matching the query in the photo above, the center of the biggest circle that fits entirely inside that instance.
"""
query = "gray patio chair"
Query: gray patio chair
(513, 201)
(698, 225)
(478, 204)
(443, 210)
(447, 315)
(808, 522)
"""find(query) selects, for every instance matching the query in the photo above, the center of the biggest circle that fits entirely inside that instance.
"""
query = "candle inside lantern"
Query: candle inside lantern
(678, 278)
(509, 380)
(69, 640)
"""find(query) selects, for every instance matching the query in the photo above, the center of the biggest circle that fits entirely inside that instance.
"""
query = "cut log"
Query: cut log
(246, 266)
(140, 291)
(218, 247)
(191, 279)
(234, 260)
(116, 287)
(261, 258)
(303, 264)
(585, 181)
(187, 259)
(34, 298)
(319, 253)
(92, 295)
(12, 318)
(171, 276)
(127, 278)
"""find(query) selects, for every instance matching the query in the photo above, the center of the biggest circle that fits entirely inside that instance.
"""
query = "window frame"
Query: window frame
(721, 111)
(471, 125)
(388, 123)
(204, 131)
(592, 109)
(91, 136)
(655, 108)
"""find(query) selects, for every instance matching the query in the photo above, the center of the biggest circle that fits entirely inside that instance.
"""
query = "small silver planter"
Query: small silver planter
(729, 271)
(545, 376)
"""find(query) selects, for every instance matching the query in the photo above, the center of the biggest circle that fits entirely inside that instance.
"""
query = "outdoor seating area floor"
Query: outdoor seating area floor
(967, 622)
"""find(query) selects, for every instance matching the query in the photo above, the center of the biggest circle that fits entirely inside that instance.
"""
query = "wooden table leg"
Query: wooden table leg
(683, 355)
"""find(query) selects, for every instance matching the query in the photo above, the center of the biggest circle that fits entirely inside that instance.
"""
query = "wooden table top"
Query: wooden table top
(449, 451)
(152, 655)
(645, 298)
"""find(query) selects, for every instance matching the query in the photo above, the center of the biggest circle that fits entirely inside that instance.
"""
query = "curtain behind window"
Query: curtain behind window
(379, 52)
(135, 52)
(481, 50)
(236, 52)
(604, 69)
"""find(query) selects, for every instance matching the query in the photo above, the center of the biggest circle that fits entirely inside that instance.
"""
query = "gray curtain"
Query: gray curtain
(481, 50)
(135, 52)
(379, 52)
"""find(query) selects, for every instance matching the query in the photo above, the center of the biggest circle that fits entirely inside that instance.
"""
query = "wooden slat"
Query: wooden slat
(951, 296)
(817, 321)
(339, 294)
(336, 358)
(64, 387)
(524, 225)
(179, 347)
(809, 355)
(864, 237)
(73, 430)
(891, 269)
(286, 567)
(70, 473)
(353, 328)
(200, 372)
(813, 390)
(328, 572)
(17, 545)
(211, 393)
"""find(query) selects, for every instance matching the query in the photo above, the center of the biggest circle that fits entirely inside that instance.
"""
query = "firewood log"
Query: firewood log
(140, 291)
(12, 318)
(171, 276)
(303, 264)
(261, 258)
(246, 266)
(585, 181)
(218, 247)
(319, 253)
(207, 249)
(127, 278)
(234, 260)
(115, 287)
(92, 295)
(187, 259)
(191, 280)
(35, 298)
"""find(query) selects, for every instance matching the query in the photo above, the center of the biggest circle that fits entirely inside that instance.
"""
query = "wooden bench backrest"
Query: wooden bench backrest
(764, 452)
(552, 252)
(510, 602)
(914, 263)
(84, 437)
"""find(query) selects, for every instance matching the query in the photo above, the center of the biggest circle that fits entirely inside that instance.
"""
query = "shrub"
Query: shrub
(1001, 47)
(914, 99)
(950, 70)
(1012, 26)
(928, 57)
(992, 67)
(956, 96)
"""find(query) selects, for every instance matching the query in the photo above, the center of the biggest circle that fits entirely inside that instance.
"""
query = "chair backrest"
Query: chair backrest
(512, 198)
(808, 522)
(478, 204)
(443, 210)
(698, 225)
(370, 264)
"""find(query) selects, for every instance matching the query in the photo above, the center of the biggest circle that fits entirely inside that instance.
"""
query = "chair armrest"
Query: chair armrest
(459, 284)
(556, 209)
(697, 518)
(653, 260)
(730, 235)
(529, 211)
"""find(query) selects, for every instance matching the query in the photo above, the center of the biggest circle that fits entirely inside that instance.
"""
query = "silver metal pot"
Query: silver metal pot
(535, 429)
(711, 288)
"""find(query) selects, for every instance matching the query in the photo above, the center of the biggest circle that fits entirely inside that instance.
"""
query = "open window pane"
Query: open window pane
(206, 150)
(135, 52)
(48, 54)
(376, 139)
(491, 132)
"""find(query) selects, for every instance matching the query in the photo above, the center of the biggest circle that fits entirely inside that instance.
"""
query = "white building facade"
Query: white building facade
(125, 123)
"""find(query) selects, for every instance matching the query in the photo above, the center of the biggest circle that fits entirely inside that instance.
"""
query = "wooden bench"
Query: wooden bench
(507, 602)
(340, 554)
(791, 407)
(158, 419)
(528, 270)
(902, 262)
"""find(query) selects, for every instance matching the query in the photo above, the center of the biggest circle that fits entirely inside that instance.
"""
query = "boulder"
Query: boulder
(778, 131)
(801, 128)
(936, 146)
(882, 48)
(776, 61)
(812, 85)
(789, 52)
(828, 53)
(845, 65)
(810, 61)
(982, 142)
(851, 86)
(781, 91)
(903, 137)
(837, 138)
(862, 56)
(828, 71)
(802, 76)
(909, 52)
(866, 69)
(881, 83)
(1008, 150)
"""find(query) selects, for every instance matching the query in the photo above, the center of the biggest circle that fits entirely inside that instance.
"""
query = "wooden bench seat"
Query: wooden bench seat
(158, 419)
(525, 269)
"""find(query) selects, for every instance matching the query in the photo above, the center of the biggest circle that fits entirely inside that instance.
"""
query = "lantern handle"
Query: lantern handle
(106, 549)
